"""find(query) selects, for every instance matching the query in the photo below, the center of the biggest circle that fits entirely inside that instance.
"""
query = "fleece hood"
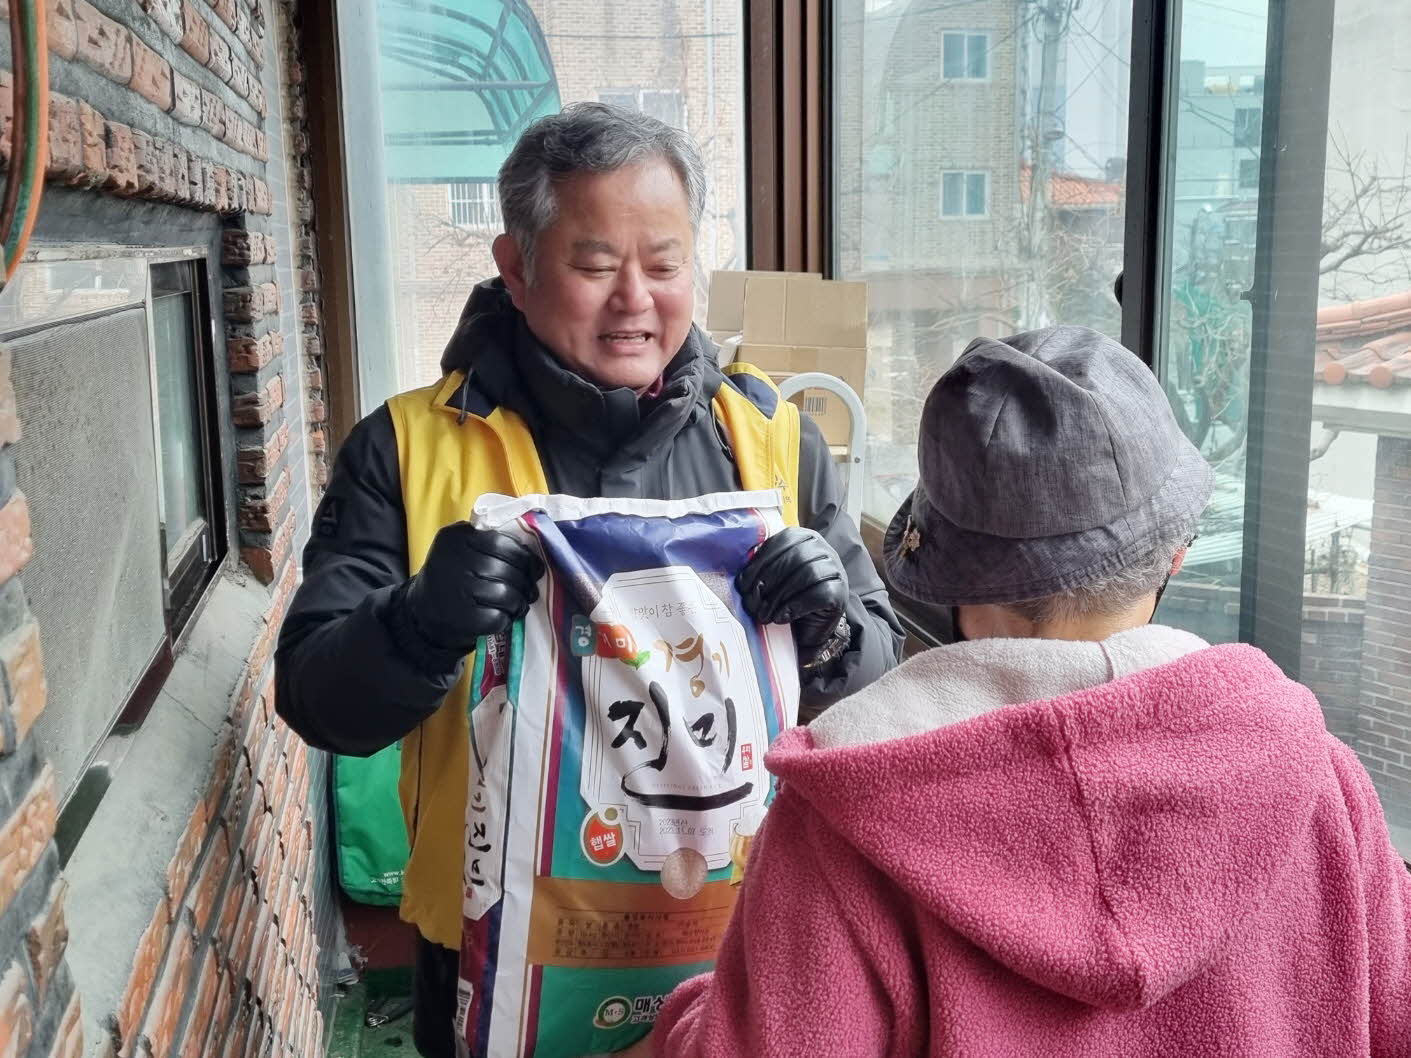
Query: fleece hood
(1105, 842)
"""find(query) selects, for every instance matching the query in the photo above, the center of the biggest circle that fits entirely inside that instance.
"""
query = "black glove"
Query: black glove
(474, 583)
(796, 578)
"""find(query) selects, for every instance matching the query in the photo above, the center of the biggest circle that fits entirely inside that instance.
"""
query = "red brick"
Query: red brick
(145, 963)
(222, 196)
(61, 28)
(16, 1014)
(46, 939)
(248, 354)
(213, 114)
(68, 1042)
(183, 861)
(9, 412)
(262, 515)
(256, 409)
(238, 1037)
(209, 882)
(196, 33)
(227, 997)
(186, 95)
(225, 11)
(16, 547)
(103, 44)
(256, 464)
(151, 75)
(221, 59)
(181, 174)
(239, 79)
(240, 248)
(261, 204)
(163, 1017)
(93, 147)
(231, 910)
(167, 15)
(244, 304)
(270, 298)
(65, 139)
(146, 155)
(265, 563)
(7, 115)
(208, 989)
(222, 770)
(122, 160)
(25, 836)
(23, 664)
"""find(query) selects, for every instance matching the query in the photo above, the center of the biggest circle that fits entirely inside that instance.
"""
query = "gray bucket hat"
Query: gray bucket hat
(1048, 460)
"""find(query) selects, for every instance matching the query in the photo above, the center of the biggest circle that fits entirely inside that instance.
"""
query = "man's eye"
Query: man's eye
(595, 270)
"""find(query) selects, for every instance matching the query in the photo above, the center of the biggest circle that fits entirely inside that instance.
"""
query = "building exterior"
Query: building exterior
(676, 60)
(163, 888)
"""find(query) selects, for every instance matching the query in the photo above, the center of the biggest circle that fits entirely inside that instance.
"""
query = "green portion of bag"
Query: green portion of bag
(370, 832)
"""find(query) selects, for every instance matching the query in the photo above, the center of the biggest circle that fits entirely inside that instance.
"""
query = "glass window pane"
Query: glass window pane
(954, 55)
(907, 135)
(183, 480)
(456, 84)
(1356, 561)
(975, 194)
(1214, 208)
(978, 57)
(952, 194)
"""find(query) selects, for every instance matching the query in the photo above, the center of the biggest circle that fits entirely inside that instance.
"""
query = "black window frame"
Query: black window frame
(193, 571)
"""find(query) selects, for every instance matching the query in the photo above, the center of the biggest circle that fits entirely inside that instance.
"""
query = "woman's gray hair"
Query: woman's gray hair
(1112, 593)
(587, 138)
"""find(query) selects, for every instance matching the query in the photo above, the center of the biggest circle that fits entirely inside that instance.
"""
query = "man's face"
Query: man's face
(612, 292)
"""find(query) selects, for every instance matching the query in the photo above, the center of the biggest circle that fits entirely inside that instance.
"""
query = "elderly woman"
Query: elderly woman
(1077, 833)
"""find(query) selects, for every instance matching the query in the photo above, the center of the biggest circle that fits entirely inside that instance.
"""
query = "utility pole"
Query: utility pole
(1051, 25)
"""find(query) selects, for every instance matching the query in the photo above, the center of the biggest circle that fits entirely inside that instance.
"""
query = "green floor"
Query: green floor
(378, 993)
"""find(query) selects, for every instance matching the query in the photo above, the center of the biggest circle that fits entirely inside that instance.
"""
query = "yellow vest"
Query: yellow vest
(447, 462)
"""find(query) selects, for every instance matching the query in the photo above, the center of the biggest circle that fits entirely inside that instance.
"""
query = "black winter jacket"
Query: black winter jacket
(352, 675)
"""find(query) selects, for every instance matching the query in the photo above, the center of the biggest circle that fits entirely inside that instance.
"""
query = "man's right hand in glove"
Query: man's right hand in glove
(475, 582)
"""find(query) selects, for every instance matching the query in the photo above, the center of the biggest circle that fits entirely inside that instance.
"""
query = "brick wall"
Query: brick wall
(166, 113)
(1384, 720)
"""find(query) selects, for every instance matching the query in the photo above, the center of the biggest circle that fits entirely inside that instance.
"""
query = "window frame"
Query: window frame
(482, 205)
(968, 37)
(966, 175)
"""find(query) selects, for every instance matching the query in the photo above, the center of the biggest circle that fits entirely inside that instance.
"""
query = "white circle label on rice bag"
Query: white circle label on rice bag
(677, 741)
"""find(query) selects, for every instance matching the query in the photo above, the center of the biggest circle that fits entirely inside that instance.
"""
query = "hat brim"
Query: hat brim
(952, 566)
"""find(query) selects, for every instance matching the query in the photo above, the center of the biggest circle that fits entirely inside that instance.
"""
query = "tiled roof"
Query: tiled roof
(1366, 342)
(1071, 191)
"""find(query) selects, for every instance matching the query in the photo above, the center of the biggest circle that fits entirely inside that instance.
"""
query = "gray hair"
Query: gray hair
(587, 138)
(1111, 593)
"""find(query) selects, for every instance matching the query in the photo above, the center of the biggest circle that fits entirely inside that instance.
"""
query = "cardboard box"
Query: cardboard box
(725, 305)
(792, 322)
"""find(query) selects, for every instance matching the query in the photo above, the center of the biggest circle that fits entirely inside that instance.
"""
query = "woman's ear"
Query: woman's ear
(1178, 561)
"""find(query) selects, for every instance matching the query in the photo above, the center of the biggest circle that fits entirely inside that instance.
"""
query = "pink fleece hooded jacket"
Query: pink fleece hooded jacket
(1178, 862)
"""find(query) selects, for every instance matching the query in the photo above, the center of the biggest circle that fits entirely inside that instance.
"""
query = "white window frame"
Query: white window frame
(965, 214)
(968, 37)
(479, 202)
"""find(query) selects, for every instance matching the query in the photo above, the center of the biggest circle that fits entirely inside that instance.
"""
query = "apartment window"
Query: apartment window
(114, 367)
(667, 105)
(475, 204)
(1249, 173)
(188, 444)
(1249, 126)
(965, 56)
(965, 194)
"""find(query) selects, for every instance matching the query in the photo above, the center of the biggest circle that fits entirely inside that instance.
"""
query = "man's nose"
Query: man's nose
(631, 295)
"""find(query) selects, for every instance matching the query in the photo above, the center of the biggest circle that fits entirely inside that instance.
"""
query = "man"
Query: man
(576, 371)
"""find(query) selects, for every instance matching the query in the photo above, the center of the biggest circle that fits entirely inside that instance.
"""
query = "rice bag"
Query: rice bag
(617, 739)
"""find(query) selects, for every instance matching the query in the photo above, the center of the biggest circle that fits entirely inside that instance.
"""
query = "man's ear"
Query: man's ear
(510, 263)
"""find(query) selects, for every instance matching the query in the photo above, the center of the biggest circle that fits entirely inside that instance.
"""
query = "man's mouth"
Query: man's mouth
(626, 337)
